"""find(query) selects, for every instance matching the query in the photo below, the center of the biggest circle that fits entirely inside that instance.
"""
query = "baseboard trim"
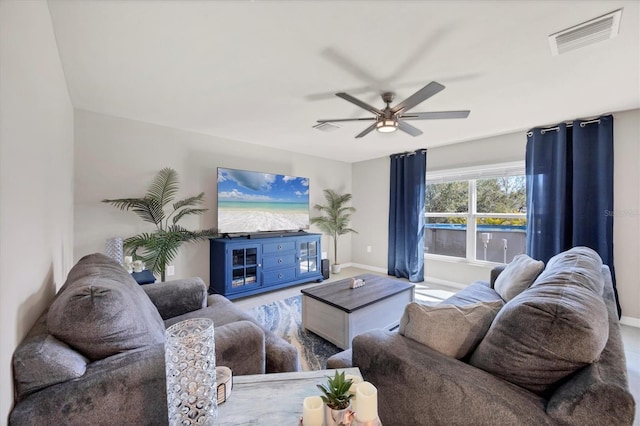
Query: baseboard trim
(368, 267)
(426, 279)
(630, 321)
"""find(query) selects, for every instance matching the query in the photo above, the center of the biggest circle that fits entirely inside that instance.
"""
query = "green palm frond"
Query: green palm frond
(189, 202)
(187, 236)
(185, 212)
(156, 250)
(147, 209)
(164, 186)
(159, 248)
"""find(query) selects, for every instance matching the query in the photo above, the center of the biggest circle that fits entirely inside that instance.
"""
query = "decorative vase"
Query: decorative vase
(191, 373)
(114, 249)
(342, 417)
(335, 268)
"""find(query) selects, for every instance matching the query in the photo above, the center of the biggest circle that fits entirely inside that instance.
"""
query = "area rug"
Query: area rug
(284, 318)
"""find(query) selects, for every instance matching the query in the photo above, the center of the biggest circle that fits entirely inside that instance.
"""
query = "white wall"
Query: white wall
(36, 176)
(117, 158)
(371, 194)
(626, 222)
(371, 220)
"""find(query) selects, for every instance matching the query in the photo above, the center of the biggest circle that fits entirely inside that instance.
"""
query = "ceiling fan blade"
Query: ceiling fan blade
(366, 131)
(346, 119)
(348, 97)
(421, 95)
(408, 128)
(436, 115)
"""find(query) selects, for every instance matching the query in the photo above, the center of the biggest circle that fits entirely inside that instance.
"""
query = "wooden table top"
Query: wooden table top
(339, 295)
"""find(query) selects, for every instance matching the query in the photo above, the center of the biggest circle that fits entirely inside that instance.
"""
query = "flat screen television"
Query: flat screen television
(250, 202)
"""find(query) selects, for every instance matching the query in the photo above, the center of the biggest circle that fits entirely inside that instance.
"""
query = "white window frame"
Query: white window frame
(472, 174)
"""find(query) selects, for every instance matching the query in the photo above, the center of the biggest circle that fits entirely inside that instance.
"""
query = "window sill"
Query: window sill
(460, 260)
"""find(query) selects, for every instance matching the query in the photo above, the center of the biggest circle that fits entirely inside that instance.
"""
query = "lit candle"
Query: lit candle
(312, 411)
(367, 397)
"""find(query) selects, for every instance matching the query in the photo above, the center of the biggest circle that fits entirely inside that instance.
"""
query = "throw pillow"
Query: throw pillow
(449, 329)
(517, 276)
(103, 311)
(42, 361)
(544, 335)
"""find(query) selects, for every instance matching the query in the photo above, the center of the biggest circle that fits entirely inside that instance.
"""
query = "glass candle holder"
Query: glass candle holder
(114, 249)
(190, 364)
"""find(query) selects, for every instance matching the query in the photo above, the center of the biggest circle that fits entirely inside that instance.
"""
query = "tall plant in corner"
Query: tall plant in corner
(158, 248)
(334, 219)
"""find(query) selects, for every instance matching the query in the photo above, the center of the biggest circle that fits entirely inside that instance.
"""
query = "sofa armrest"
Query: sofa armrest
(592, 397)
(127, 388)
(241, 347)
(177, 297)
(282, 356)
(599, 393)
(419, 386)
(497, 270)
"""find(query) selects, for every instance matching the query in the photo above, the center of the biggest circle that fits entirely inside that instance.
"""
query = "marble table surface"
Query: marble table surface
(272, 399)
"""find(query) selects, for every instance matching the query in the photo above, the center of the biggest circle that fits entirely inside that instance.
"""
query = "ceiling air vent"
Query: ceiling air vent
(590, 32)
(327, 127)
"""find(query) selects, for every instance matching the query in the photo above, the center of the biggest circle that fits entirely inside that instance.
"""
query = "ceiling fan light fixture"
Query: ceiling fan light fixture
(387, 126)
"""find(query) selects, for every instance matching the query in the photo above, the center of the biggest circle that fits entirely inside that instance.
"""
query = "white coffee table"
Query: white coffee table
(272, 399)
(338, 313)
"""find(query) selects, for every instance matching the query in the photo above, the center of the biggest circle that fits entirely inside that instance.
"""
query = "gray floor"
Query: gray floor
(432, 292)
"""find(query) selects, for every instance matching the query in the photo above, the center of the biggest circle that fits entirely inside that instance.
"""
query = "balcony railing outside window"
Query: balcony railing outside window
(479, 218)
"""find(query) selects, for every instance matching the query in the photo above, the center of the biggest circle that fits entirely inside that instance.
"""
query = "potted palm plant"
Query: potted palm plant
(158, 248)
(334, 220)
(337, 399)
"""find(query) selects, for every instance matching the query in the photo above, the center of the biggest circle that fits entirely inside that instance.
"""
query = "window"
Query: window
(476, 214)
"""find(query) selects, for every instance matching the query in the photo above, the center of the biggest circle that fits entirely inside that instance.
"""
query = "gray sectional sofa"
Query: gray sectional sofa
(550, 353)
(96, 356)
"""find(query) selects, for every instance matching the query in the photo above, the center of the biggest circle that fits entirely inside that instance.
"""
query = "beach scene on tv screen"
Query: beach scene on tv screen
(257, 202)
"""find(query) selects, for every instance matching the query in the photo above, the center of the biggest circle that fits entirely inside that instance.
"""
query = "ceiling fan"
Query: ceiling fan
(391, 119)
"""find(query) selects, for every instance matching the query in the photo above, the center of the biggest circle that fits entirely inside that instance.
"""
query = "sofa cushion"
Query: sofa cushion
(517, 276)
(43, 361)
(549, 331)
(102, 311)
(580, 266)
(450, 329)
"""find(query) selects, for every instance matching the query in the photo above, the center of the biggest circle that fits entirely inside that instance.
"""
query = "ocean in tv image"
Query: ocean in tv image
(257, 202)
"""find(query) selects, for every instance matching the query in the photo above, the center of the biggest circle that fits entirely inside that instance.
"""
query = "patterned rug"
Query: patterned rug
(284, 318)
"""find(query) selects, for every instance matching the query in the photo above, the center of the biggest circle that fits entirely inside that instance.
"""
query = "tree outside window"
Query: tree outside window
(477, 219)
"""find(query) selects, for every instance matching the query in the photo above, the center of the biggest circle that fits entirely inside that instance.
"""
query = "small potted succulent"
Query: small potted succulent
(337, 400)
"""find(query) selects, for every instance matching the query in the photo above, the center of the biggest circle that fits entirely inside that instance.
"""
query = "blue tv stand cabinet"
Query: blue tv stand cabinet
(242, 266)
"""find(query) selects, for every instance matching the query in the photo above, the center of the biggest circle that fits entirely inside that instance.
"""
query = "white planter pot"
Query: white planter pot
(338, 417)
(335, 268)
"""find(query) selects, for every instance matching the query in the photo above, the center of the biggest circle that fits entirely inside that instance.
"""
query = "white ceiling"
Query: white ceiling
(264, 71)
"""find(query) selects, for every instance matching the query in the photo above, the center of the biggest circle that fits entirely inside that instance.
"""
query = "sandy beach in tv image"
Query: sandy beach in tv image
(258, 202)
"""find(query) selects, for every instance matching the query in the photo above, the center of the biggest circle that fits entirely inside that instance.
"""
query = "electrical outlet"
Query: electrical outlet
(171, 270)
(368, 249)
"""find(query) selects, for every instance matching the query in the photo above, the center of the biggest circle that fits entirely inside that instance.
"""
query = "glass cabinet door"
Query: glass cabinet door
(308, 255)
(244, 267)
